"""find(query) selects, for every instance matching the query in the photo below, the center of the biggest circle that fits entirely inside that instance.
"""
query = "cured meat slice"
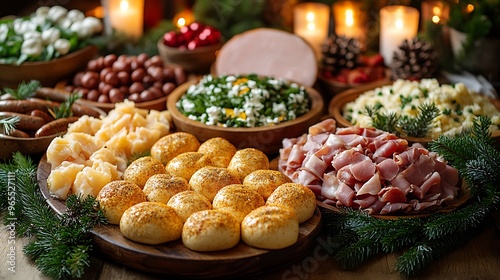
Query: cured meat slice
(372, 186)
(364, 170)
(388, 169)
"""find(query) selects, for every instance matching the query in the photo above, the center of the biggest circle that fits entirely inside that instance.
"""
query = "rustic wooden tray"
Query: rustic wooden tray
(174, 259)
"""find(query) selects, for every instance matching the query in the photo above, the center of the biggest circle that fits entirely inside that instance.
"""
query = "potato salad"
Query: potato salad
(458, 105)
(244, 101)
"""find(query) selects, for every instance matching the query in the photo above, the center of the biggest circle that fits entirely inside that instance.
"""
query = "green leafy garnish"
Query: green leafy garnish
(64, 110)
(394, 123)
(24, 90)
(7, 125)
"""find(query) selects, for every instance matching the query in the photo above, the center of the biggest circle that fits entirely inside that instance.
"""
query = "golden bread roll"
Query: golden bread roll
(219, 150)
(139, 170)
(296, 196)
(238, 200)
(247, 160)
(270, 227)
(265, 181)
(185, 164)
(161, 187)
(151, 223)
(188, 202)
(209, 180)
(210, 230)
(116, 197)
(171, 145)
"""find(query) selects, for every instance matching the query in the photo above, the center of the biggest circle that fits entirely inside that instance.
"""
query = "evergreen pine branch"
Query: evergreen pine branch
(413, 261)
(461, 220)
(356, 253)
(61, 244)
(422, 123)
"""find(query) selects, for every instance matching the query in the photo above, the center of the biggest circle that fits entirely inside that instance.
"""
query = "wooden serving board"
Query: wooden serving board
(174, 259)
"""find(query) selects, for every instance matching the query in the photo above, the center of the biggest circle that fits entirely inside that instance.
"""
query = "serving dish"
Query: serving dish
(47, 72)
(173, 258)
(266, 138)
(196, 60)
(337, 103)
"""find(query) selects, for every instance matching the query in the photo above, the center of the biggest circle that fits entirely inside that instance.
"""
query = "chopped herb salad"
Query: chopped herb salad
(244, 101)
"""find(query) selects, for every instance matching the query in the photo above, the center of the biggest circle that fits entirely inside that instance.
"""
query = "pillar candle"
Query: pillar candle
(397, 23)
(127, 17)
(348, 19)
(311, 22)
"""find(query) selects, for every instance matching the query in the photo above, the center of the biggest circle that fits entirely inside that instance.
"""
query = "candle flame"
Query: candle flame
(349, 17)
(311, 26)
(399, 23)
(181, 22)
(124, 5)
(310, 16)
(435, 19)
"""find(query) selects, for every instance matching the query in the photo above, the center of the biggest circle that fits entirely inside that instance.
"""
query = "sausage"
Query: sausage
(21, 106)
(52, 94)
(61, 96)
(39, 113)
(55, 126)
(17, 133)
(26, 122)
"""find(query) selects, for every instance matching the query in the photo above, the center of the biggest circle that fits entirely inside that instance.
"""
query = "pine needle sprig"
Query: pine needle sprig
(24, 90)
(420, 125)
(356, 253)
(414, 260)
(461, 220)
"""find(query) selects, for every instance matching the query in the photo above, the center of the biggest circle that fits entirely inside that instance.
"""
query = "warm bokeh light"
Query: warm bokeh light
(435, 19)
(349, 17)
(124, 5)
(183, 18)
(470, 8)
(98, 12)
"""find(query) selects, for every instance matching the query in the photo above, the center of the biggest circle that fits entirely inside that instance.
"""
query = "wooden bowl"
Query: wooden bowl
(336, 107)
(47, 72)
(29, 146)
(267, 138)
(197, 60)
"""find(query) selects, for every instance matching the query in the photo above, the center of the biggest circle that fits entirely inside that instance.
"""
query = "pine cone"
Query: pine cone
(339, 52)
(414, 60)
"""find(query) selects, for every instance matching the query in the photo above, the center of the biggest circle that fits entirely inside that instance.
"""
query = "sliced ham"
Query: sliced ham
(368, 169)
(372, 186)
(388, 169)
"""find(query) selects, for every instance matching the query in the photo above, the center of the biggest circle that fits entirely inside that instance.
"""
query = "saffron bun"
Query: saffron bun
(185, 164)
(161, 187)
(188, 202)
(139, 170)
(238, 200)
(208, 180)
(265, 181)
(174, 144)
(116, 197)
(151, 223)
(210, 230)
(270, 227)
(247, 160)
(297, 196)
(219, 150)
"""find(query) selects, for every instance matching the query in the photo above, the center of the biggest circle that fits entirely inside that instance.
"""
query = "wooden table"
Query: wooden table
(478, 259)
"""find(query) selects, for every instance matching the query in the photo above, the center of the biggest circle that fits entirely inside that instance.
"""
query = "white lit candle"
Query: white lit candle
(348, 19)
(127, 16)
(397, 23)
(311, 23)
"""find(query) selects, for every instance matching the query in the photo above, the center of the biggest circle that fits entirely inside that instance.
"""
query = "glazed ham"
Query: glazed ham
(368, 169)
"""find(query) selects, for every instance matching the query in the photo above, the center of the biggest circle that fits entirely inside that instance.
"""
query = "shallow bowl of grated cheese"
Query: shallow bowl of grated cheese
(248, 110)
(457, 106)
